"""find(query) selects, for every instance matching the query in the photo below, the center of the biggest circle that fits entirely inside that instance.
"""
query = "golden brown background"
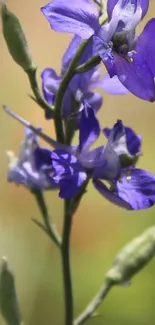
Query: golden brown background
(99, 229)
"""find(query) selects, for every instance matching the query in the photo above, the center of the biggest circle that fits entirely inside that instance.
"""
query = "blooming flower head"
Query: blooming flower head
(70, 166)
(124, 54)
(32, 168)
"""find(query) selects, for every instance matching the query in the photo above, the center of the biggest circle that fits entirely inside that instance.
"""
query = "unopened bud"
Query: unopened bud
(9, 307)
(133, 258)
(15, 39)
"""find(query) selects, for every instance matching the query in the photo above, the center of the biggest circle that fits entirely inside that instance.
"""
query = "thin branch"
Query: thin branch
(39, 224)
(49, 225)
(96, 301)
(89, 64)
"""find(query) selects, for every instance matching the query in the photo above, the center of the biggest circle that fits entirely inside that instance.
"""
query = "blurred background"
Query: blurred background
(99, 229)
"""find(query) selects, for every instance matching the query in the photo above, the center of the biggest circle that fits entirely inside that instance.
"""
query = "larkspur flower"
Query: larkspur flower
(72, 164)
(32, 168)
(124, 54)
(81, 88)
(132, 189)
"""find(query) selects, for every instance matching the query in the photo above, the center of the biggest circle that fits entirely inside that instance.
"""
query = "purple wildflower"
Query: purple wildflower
(133, 188)
(124, 54)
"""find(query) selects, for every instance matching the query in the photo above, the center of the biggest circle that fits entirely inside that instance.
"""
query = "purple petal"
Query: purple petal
(64, 164)
(16, 175)
(139, 192)
(116, 133)
(93, 158)
(79, 17)
(103, 48)
(108, 166)
(50, 84)
(143, 3)
(110, 6)
(111, 196)
(132, 139)
(32, 168)
(110, 66)
(146, 44)
(111, 85)
(68, 173)
(89, 128)
(70, 186)
(66, 60)
(42, 157)
(136, 76)
(94, 100)
(105, 52)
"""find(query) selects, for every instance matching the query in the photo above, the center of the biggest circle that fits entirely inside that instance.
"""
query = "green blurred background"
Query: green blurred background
(99, 229)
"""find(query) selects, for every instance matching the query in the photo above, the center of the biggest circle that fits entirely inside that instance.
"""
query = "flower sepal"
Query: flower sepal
(127, 161)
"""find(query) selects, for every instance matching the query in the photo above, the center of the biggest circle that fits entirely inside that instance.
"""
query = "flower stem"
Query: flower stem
(49, 225)
(34, 86)
(91, 63)
(62, 89)
(96, 301)
(70, 207)
(66, 264)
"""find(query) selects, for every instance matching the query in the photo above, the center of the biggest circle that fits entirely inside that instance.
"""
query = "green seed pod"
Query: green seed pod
(15, 39)
(133, 257)
(8, 298)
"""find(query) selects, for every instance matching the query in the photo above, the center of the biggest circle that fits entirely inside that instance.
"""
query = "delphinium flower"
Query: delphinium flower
(113, 163)
(124, 54)
(32, 168)
(82, 85)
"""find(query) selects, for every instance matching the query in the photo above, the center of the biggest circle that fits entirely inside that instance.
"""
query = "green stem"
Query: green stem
(77, 199)
(96, 301)
(49, 225)
(91, 63)
(66, 265)
(34, 86)
(62, 89)
(69, 210)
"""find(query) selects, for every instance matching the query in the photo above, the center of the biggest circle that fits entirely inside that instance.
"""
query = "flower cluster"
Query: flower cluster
(108, 36)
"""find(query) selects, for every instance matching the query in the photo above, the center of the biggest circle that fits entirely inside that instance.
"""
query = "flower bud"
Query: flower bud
(9, 307)
(133, 257)
(15, 39)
